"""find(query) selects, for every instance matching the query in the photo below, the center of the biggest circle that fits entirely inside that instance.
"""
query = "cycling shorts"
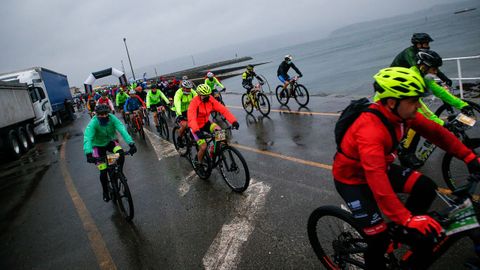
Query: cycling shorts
(153, 107)
(101, 151)
(283, 79)
(209, 127)
(362, 204)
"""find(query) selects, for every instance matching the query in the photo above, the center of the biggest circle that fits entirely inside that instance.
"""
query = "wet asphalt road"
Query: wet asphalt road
(174, 227)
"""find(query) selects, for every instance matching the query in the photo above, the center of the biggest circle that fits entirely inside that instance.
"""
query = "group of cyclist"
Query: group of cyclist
(364, 173)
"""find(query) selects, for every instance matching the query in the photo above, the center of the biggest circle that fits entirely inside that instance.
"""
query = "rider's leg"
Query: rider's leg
(362, 204)
(115, 147)
(102, 167)
(202, 148)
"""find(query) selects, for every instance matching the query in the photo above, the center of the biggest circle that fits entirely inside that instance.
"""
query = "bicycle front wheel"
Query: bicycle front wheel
(301, 95)
(182, 151)
(263, 104)
(234, 169)
(146, 118)
(282, 95)
(336, 239)
(455, 172)
(124, 198)
(139, 127)
(163, 127)
(247, 103)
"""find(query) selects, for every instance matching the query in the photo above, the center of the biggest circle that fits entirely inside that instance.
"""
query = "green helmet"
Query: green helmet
(204, 90)
(399, 82)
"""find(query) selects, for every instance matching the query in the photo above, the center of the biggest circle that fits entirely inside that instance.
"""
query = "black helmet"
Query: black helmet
(102, 109)
(429, 58)
(249, 67)
(421, 38)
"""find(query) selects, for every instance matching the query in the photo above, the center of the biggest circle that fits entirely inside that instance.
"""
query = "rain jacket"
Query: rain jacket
(199, 112)
(97, 135)
(367, 154)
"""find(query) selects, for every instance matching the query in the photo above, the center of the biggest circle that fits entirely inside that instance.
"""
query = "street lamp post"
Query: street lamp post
(129, 60)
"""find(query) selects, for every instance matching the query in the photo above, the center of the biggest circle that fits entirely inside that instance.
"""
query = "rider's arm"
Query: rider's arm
(149, 97)
(444, 78)
(125, 106)
(164, 97)
(110, 104)
(117, 98)
(217, 82)
(88, 136)
(141, 100)
(373, 142)
(443, 94)
(441, 137)
(192, 114)
(121, 129)
(296, 70)
(425, 111)
(217, 106)
(177, 100)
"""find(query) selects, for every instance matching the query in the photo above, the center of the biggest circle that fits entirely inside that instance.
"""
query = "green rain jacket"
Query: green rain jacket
(97, 135)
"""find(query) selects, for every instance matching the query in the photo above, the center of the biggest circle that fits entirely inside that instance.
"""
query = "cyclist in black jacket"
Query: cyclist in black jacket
(247, 78)
(282, 71)
(407, 59)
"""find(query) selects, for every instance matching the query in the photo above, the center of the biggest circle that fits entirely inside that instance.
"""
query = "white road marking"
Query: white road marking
(163, 148)
(224, 253)
(185, 184)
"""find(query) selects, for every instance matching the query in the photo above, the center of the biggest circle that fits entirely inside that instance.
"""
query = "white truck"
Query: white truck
(17, 120)
(48, 92)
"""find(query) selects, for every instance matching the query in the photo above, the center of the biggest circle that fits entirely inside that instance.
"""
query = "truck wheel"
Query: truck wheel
(51, 126)
(30, 135)
(59, 119)
(23, 139)
(13, 144)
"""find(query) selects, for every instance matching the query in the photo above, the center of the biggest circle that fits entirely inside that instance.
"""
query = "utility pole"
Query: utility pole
(129, 60)
(193, 60)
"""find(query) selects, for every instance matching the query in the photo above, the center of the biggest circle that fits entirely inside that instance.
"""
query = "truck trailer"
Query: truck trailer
(17, 120)
(49, 90)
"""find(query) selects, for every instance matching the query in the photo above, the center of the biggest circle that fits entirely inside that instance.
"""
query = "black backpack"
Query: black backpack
(351, 113)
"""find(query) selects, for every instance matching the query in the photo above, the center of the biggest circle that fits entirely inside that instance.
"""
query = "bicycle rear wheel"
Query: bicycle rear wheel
(336, 239)
(124, 198)
(263, 104)
(146, 118)
(301, 95)
(234, 169)
(282, 95)
(247, 103)
(455, 171)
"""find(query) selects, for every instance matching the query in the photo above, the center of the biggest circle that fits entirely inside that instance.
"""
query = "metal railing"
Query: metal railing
(459, 69)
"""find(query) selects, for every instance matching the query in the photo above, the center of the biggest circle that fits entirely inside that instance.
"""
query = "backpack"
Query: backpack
(351, 113)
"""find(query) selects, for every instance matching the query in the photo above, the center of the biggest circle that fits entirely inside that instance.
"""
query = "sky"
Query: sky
(76, 38)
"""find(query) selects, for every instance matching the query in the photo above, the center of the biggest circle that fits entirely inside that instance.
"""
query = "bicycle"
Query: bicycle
(145, 114)
(162, 122)
(135, 123)
(188, 142)
(117, 186)
(294, 89)
(256, 99)
(227, 158)
(347, 247)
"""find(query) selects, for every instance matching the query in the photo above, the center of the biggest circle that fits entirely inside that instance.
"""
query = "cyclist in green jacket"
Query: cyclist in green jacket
(427, 65)
(182, 100)
(212, 81)
(100, 136)
(407, 58)
(154, 100)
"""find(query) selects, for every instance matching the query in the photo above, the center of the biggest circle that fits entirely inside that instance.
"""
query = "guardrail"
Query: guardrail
(459, 69)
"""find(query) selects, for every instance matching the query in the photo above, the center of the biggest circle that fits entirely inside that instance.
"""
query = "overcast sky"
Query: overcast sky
(78, 37)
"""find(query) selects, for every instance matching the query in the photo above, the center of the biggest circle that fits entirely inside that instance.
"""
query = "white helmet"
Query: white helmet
(288, 57)
(185, 77)
(210, 74)
(187, 84)
(132, 92)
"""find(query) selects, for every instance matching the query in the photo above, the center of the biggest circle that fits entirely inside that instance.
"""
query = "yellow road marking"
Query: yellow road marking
(295, 112)
(273, 154)
(99, 247)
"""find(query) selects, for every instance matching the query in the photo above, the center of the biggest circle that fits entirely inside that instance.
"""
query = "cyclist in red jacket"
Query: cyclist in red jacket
(198, 116)
(368, 181)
